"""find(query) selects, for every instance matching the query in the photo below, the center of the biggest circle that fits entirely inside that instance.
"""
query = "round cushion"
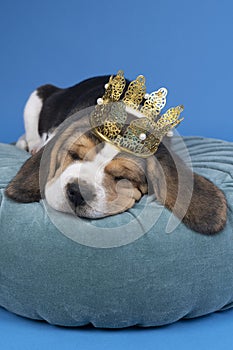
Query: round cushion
(152, 280)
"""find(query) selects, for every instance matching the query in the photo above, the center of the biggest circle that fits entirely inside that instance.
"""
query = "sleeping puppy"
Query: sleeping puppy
(78, 173)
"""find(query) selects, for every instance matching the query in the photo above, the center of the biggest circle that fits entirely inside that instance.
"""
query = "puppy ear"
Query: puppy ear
(25, 187)
(192, 198)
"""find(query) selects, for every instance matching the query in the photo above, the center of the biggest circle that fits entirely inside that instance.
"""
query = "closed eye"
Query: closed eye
(73, 155)
(118, 178)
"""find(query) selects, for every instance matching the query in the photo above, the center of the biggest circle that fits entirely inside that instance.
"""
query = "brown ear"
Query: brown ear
(24, 187)
(192, 198)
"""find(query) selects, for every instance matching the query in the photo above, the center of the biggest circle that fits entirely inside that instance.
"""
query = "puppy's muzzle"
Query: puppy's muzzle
(79, 194)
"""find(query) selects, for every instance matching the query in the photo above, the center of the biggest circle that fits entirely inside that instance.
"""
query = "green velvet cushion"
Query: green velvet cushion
(153, 280)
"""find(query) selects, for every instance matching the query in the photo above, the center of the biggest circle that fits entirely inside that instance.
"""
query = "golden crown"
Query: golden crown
(144, 133)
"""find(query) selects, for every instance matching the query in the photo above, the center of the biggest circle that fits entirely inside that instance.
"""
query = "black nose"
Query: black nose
(74, 194)
(77, 194)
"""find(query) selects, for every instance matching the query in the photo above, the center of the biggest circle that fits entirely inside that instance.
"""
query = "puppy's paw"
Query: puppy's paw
(35, 145)
(22, 143)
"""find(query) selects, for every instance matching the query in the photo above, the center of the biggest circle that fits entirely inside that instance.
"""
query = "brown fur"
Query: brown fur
(206, 212)
(25, 187)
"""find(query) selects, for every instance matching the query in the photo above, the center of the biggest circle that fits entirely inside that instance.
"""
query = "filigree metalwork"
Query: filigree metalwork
(154, 103)
(114, 88)
(135, 92)
(142, 135)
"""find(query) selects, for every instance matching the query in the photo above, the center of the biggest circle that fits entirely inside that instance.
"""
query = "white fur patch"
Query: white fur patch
(22, 143)
(91, 172)
(31, 120)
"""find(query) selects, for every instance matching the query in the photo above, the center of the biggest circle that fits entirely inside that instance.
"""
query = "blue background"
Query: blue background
(185, 46)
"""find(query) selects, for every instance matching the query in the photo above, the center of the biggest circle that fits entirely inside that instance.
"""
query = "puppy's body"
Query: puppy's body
(49, 106)
(76, 172)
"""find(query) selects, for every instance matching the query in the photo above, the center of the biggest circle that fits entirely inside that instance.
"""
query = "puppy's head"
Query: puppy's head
(93, 179)
(78, 173)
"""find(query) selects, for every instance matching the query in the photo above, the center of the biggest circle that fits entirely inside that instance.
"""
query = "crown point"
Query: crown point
(181, 107)
(146, 96)
(106, 86)
(100, 101)
(141, 78)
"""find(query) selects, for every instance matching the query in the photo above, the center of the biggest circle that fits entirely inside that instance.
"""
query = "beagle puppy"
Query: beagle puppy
(78, 173)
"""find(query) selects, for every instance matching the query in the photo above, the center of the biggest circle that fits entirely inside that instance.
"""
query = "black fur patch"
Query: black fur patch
(61, 103)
